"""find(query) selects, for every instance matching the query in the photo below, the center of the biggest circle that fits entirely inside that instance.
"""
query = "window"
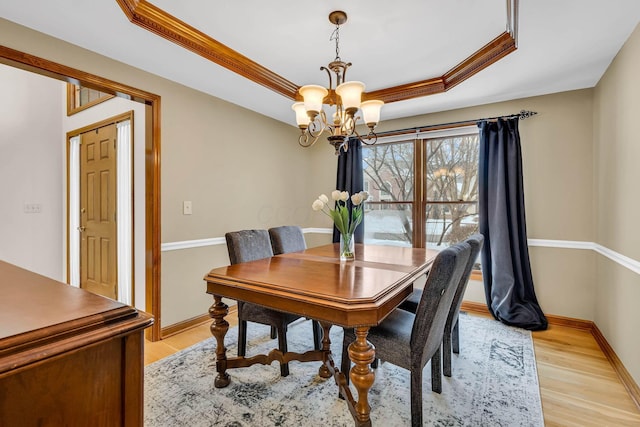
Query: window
(389, 175)
(423, 188)
(80, 98)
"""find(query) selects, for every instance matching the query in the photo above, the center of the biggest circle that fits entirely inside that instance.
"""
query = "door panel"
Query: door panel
(98, 248)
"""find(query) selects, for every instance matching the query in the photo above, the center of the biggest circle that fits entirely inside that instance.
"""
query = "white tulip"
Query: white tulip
(335, 195)
(324, 198)
(344, 196)
(356, 199)
(317, 205)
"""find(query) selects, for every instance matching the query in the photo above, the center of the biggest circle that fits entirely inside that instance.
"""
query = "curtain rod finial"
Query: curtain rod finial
(525, 114)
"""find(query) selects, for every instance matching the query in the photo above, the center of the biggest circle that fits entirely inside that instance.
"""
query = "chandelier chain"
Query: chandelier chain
(336, 36)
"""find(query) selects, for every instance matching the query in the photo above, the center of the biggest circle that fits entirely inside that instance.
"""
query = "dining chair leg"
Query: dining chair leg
(282, 345)
(317, 335)
(242, 338)
(446, 352)
(455, 336)
(416, 397)
(436, 371)
(345, 366)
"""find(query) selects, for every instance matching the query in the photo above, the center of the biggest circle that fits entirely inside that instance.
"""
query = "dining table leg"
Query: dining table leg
(362, 353)
(219, 329)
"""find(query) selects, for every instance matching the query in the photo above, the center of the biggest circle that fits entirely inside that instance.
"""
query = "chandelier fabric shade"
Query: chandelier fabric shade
(345, 100)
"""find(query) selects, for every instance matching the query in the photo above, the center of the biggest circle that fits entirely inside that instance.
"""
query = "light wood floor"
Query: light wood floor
(578, 386)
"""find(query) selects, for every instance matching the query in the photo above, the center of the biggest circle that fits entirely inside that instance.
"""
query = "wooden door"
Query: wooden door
(98, 245)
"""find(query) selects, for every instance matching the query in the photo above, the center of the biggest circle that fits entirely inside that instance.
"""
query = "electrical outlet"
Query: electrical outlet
(186, 208)
(32, 208)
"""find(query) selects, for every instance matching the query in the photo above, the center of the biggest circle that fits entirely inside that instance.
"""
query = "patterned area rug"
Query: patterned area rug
(494, 383)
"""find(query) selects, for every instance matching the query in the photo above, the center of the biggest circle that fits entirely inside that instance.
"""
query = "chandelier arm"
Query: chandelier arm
(330, 78)
(303, 140)
(318, 125)
(349, 125)
(344, 71)
(368, 139)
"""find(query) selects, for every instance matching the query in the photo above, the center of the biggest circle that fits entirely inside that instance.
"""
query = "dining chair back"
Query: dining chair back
(410, 340)
(286, 239)
(451, 337)
(251, 245)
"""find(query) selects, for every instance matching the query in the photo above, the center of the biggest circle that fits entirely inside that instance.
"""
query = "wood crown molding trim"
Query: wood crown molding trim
(163, 24)
(490, 53)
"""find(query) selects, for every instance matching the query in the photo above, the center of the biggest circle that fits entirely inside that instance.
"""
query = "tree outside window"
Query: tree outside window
(432, 205)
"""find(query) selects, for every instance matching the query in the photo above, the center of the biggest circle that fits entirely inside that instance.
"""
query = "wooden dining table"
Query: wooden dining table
(315, 284)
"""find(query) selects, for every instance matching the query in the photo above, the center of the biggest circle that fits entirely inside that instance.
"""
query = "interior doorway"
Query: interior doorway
(100, 217)
(152, 126)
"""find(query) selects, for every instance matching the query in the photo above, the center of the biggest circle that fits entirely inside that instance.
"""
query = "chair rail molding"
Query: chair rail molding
(623, 260)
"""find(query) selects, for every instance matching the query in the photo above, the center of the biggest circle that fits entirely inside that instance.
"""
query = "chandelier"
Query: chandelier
(345, 101)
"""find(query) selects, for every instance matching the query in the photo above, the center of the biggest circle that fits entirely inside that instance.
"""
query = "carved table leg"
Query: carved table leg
(219, 329)
(362, 354)
(324, 371)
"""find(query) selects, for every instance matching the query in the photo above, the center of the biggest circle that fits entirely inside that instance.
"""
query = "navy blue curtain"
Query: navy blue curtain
(350, 178)
(508, 282)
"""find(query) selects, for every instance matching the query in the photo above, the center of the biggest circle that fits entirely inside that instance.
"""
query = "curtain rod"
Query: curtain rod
(523, 114)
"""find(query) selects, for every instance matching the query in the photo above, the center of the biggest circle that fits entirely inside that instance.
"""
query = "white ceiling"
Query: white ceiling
(562, 44)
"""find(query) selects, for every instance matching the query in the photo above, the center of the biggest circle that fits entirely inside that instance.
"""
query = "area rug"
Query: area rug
(494, 383)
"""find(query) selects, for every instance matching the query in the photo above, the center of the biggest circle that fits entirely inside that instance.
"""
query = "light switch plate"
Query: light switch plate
(187, 208)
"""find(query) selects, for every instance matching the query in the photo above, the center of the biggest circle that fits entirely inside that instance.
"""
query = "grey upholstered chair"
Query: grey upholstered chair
(250, 245)
(290, 238)
(410, 340)
(451, 339)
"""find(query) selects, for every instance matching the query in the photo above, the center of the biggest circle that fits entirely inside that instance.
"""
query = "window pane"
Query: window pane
(452, 169)
(388, 171)
(388, 223)
(449, 223)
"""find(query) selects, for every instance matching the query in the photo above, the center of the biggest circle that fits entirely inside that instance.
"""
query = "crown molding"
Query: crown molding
(163, 24)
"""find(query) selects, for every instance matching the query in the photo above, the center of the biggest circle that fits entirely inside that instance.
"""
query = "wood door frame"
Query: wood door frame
(28, 62)
(126, 116)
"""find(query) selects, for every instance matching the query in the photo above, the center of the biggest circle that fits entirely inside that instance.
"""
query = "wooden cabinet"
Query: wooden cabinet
(67, 357)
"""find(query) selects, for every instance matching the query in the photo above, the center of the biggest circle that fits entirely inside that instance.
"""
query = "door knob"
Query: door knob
(81, 229)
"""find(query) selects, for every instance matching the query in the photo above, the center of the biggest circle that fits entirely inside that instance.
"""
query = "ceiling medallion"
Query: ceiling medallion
(343, 102)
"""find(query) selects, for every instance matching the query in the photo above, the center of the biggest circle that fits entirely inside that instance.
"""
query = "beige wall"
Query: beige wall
(617, 152)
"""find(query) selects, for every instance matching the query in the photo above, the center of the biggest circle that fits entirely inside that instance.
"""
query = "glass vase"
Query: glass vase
(347, 247)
